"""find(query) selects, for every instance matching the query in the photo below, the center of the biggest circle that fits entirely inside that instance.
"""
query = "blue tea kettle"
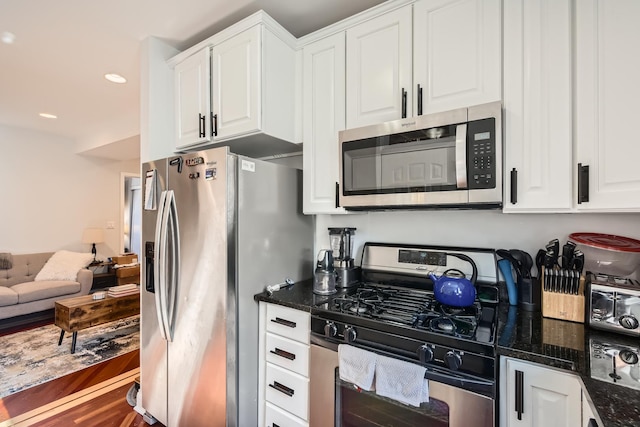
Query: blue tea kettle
(453, 288)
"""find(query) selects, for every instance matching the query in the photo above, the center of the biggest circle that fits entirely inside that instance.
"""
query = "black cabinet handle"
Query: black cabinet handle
(583, 183)
(337, 195)
(519, 393)
(514, 186)
(282, 388)
(214, 124)
(282, 353)
(419, 100)
(284, 322)
(201, 126)
(592, 423)
(404, 103)
(274, 425)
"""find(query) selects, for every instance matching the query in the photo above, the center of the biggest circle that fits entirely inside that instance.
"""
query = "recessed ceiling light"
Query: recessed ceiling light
(7, 37)
(115, 78)
(48, 116)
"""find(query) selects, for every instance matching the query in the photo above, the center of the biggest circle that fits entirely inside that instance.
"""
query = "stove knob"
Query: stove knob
(425, 354)
(453, 360)
(349, 334)
(629, 322)
(628, 357)
(330, 330)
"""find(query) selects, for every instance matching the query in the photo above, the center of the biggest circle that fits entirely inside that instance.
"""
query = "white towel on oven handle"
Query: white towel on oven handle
(401, 381)
(357, 366)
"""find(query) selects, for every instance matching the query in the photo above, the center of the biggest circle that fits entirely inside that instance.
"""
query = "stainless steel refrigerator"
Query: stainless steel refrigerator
(217, 228)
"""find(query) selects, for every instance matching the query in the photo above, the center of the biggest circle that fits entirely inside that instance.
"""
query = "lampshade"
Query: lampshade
(93, 235)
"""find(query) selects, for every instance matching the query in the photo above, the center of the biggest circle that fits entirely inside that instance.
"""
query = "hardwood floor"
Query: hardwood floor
(95, 396)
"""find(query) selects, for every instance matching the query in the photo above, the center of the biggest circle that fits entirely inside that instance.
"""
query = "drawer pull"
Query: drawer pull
(282, 388)
(282, 353)
(274, 425)
(284, 322)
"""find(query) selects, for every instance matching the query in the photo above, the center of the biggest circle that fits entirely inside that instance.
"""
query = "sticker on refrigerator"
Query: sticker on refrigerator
(210, 174)
(248, 166)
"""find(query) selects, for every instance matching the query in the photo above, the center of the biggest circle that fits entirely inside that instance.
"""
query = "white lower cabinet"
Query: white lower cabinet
(276, 417)
(533, 395)
(283, 389)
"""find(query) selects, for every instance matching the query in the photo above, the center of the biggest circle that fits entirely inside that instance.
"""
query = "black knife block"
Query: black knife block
(529, 294)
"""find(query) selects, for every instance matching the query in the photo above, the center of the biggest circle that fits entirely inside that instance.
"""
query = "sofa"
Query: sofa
(21, 294)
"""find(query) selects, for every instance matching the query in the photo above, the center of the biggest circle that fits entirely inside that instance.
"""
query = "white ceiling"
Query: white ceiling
(63, 49)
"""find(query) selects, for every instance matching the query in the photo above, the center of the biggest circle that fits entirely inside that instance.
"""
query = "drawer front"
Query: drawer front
(288, 390)
(288, 354)
(288, 322)
(276, 417)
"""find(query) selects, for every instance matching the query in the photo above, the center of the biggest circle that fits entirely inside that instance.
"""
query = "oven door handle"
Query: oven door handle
(460, 381)
(461, 156)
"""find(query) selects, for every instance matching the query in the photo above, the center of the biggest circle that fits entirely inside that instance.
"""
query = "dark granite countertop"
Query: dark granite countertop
(531, 337)
(566, 345)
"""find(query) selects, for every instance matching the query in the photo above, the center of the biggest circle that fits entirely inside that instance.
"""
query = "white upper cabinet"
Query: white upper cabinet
(434, 55)
(239, 90)
(236, 85)
(456, 54)
(323, 101)
(192, 81)
(253, 88)
(566, 123)
(379, 69)
(607, 94)
(537, 106)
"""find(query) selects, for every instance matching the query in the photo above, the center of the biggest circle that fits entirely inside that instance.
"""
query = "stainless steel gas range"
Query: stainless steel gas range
(393, 313)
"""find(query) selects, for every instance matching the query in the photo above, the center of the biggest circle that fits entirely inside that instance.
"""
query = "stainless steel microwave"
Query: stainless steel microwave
(448, 159)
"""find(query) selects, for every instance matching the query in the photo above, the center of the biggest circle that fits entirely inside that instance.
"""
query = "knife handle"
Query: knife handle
(567, 254)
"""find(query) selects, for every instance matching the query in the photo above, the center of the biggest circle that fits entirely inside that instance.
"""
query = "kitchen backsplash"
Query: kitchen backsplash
(484, 229)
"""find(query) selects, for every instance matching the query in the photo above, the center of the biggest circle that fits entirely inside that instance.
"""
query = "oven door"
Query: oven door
(337, 403)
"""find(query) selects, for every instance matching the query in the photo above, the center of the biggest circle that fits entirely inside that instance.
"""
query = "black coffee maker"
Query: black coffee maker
(341, 241)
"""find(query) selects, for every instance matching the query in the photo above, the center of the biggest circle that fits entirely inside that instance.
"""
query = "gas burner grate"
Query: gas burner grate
(409, 307)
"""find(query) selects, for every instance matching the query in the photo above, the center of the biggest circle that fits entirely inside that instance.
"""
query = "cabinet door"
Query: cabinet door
(192, 80)
(607, 94)
(379, 69)
(456, 58)
(548, 397)
(537, 105)
(323, 117)
(236, 85)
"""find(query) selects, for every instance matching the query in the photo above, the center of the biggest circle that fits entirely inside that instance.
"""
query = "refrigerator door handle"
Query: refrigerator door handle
(174, 258)
(159, 262)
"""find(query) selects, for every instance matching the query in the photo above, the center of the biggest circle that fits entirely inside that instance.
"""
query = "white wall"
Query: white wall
(484, 229)
(49, 194)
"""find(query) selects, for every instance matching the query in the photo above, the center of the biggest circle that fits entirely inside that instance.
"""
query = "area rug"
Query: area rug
(33, 357)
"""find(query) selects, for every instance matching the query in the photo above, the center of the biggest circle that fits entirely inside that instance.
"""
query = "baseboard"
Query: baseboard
(26, 321)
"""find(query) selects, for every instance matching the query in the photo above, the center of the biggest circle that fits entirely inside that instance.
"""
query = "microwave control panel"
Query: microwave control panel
(481, 154)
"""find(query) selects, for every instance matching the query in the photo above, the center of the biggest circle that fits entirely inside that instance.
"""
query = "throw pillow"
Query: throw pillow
(64, 265)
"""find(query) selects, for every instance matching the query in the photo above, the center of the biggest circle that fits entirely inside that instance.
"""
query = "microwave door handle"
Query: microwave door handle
(461, 156)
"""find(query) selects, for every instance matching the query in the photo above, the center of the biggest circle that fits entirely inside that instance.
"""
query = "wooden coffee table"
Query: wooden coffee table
(78, 313)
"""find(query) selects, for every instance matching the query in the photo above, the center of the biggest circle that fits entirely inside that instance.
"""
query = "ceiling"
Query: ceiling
(62, 50)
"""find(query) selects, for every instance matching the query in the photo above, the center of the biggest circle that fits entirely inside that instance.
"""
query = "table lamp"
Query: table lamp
(93, 236)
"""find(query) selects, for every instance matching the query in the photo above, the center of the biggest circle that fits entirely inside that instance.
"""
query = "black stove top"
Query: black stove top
(393, 311)
(412, 308)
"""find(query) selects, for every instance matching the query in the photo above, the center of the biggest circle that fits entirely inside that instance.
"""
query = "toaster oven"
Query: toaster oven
(614, 304)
